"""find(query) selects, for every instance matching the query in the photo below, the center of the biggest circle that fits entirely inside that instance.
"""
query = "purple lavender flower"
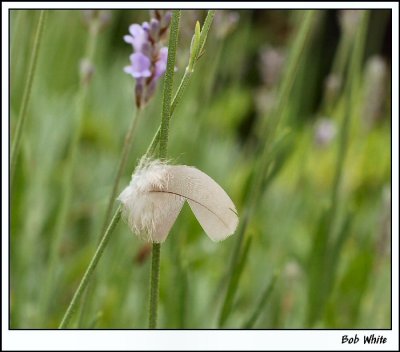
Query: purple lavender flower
(140, 66)
(161, 63)
(149, 60)
(139, 37)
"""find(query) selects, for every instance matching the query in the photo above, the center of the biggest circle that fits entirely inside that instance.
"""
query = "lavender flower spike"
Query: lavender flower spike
(149, 60)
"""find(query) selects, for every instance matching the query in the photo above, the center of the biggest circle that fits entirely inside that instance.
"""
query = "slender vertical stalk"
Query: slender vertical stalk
(164, 129)
(255, 192)
(121, 168)
(352, 84)
(154, 283)
(122, 164)
(27, 93)
(67, 186)
(178, 95)
(89, 271)
(168, 83)
(323, 255)
(261, 304)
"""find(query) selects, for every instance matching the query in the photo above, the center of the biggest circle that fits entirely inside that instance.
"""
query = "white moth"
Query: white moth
(156, 194)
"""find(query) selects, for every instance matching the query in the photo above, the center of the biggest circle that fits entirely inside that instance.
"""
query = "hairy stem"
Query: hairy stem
(154, 282)
(164, 129)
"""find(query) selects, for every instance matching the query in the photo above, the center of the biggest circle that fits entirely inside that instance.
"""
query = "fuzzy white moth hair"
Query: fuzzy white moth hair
(156, 194)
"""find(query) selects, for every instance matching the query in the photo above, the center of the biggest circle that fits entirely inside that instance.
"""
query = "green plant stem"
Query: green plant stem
(121, 168)
(330, 234)
(154, 283)
(168, 84)
(27, 93)
(178, 95)
(164, 129)
(260, 171)
(204, 31)
(89, 271)
(261, 304)
(351, 87)
(16, 19)
(122, 165)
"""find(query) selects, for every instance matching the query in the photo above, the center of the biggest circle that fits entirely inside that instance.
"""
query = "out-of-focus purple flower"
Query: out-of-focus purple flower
(272, 61)
(161, 63)
(96, 19)
(149, 60)
(138, 37)
(325, 131)
(140, 66)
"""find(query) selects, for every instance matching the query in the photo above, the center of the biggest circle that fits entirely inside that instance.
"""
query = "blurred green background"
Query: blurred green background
(330, 245)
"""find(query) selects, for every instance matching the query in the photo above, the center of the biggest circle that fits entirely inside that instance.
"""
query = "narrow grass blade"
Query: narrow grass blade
(234, 283)
(27, 93)
(321, 275)
(258, 177)
(261, 304)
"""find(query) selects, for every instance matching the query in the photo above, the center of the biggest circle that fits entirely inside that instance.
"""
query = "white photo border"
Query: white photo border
(196, 339)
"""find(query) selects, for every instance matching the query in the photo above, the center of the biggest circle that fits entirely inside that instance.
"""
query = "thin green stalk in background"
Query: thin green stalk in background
(327, 242)
(89, 271)
(66, 189)
(352, 85)
(121, 168)
(27, 93)
(122, 165)
(300, 42)
(165, 117)
(259, 307)
(16, 20)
